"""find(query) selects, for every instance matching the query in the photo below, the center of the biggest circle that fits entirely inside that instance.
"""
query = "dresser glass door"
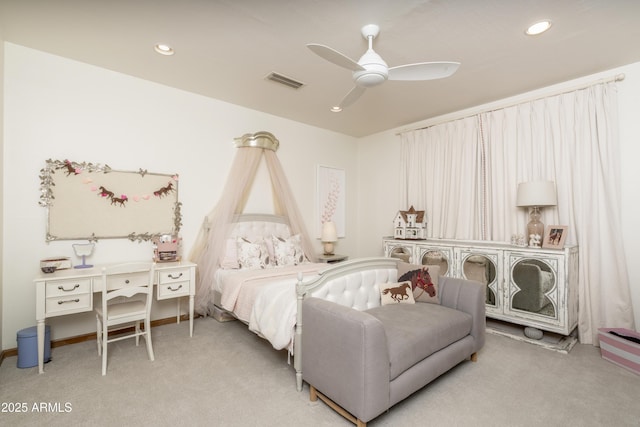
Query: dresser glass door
(436, 257)
(400, 252)
(533, 280)
(482, 269)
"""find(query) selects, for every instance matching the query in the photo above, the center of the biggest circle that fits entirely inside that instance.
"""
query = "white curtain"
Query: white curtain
(570, 139)
(440, 170)
(211, 241)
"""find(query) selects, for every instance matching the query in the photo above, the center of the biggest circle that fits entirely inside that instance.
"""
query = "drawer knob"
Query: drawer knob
(69, 300)
(176, 289)
(171, 276)
(126, 281)
(77, 285)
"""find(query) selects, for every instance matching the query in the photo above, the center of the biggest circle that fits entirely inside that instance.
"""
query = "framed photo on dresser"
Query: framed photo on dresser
(555, 236)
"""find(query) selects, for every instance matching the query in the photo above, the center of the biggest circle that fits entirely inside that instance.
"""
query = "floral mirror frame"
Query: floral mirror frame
(87, 201)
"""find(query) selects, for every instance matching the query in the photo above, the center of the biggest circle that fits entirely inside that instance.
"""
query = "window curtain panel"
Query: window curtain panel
(441, 172)
(570, 139)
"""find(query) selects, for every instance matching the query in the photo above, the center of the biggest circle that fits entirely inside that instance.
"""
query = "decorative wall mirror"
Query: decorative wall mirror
(87, 201)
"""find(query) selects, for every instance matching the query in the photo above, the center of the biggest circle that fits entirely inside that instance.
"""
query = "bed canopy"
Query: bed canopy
(211, 241)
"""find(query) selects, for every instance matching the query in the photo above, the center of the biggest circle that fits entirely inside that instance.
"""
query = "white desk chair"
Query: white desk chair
(127, 292)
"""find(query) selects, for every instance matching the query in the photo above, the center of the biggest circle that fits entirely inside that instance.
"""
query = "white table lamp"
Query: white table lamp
(329, 236)
(535, 195)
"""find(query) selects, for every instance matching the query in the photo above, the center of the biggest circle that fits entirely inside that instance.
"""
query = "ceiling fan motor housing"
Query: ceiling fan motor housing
(375, 70)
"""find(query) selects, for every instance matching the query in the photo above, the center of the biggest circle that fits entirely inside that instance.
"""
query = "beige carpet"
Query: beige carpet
(227, 376)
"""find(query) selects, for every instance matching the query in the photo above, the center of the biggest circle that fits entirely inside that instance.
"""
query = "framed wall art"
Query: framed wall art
(555, 236)
(87, 201)
(331, 198)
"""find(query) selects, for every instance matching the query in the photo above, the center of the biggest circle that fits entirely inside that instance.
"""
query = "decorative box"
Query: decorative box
(56, 263)
(621, 351)
(166, 248)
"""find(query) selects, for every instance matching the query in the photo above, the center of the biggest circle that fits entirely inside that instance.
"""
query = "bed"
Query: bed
(263, 279)
(251, 274)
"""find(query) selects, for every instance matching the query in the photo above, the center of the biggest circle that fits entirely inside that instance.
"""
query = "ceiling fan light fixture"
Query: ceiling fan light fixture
(538, 28)
(164, 49)
(369, 78)
(336, 109)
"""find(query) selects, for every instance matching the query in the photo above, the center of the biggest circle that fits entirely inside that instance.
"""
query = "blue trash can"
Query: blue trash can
(28, 346)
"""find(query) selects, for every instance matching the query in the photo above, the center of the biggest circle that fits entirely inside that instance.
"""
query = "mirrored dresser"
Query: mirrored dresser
(532, 287)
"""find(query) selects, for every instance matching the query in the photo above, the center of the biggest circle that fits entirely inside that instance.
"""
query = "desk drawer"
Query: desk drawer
(67, 304)
(173, 275)
(173, 290)
(68, 287)
(119, 281)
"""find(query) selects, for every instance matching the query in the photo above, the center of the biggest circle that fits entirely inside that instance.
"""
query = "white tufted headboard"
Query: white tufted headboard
(251, 226)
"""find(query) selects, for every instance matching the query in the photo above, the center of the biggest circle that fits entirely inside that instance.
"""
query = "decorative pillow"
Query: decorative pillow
(230, 259)
(287, 251)
(424, 281)
(396, 293)
(252, 255)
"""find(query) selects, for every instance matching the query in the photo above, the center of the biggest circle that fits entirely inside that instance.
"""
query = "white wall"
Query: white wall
(56, 108)
(379, 160)
(1, 175)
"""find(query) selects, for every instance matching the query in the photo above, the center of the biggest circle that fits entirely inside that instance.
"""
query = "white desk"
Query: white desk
(71, 291)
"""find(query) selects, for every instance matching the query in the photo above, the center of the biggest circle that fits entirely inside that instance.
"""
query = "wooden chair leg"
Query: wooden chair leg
(147, 339)
(137, 333)
(99, 335)
(313, 395)
(105, 337)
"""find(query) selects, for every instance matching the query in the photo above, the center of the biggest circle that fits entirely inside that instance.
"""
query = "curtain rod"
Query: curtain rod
(616, 78)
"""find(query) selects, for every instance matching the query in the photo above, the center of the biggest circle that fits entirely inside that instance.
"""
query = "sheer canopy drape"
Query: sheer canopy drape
(570, 139)
(211, 241)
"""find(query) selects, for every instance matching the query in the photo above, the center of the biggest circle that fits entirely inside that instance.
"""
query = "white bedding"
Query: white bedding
(265, 298)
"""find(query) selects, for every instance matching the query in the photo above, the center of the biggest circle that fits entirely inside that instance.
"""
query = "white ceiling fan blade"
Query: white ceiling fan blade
(423, 71)
(335, 57)
(352, 96)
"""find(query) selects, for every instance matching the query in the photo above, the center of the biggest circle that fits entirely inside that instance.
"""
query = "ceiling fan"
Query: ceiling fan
(371, 70)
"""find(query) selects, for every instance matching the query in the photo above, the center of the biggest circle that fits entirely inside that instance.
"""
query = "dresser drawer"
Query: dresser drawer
(173, 290)
(173, 275)
(68, 287)
(67, 304)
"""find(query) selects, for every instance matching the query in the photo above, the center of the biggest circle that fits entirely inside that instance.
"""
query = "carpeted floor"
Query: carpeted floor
(227, 376)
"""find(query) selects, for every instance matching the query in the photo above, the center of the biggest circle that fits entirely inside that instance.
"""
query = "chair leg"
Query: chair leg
(137, 333)
(147, 339)
(99, 335)
(105, 337)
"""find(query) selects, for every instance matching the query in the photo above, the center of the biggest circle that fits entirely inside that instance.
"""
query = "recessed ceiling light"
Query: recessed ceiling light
(163, 49)
(336, 109)
(538, 28)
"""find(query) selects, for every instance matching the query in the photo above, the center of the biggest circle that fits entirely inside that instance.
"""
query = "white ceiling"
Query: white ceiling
(225, 48)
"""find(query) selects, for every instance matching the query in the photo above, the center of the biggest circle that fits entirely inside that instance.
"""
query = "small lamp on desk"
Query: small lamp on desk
(329, 236)
(534, 195)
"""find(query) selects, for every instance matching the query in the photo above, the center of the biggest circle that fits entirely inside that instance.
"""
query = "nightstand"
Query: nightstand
(330, 259)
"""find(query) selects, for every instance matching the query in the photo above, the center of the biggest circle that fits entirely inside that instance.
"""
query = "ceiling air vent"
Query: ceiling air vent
(284, 80)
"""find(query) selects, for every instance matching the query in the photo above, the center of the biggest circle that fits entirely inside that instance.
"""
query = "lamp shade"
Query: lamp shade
(329, 233)
(536, 193)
